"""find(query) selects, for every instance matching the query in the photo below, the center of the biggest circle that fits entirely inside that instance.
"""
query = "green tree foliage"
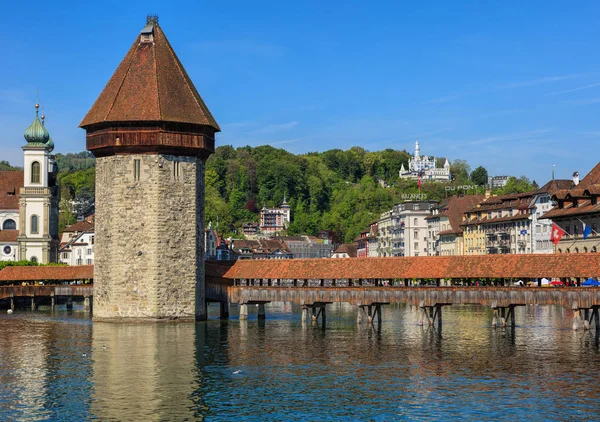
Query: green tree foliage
(340, 191)
(459, 170)
(5, 166)
(479, 176)
(71, 162)
(520, 185)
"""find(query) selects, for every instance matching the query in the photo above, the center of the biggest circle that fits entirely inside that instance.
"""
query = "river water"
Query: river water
(60, 366)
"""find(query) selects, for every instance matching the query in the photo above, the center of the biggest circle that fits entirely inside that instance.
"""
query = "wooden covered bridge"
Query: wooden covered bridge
(428, 282)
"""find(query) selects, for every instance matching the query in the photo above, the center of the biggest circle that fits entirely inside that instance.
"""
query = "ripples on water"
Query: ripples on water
(63, 367)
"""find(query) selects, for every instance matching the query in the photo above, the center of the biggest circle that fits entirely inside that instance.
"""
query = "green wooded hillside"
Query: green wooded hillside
(341, 191)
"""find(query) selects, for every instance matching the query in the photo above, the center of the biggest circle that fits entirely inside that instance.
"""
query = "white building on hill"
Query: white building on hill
(425, 167)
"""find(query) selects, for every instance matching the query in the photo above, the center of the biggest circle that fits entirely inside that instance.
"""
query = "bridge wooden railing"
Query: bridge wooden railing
(569, 297)
(82, 290)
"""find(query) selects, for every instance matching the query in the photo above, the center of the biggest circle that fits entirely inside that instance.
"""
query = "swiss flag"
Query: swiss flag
(556, 234)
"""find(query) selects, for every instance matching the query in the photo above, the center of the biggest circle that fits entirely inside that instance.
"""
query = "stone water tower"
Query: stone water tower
(151, 134)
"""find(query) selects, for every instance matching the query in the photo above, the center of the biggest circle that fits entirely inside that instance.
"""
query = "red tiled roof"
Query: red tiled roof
(80, 227)
(150, 84)
(457, 205)
(8, 235)
(10, 183)
(487, 266)
(555, 185)
(585, 207)
(58, 273)
(347, 248)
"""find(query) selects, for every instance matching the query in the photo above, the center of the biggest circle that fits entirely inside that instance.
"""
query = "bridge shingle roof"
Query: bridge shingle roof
(41, 273)
(487, 266)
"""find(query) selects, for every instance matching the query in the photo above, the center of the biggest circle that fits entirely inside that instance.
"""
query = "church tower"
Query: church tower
(38, 198)
(151, 133)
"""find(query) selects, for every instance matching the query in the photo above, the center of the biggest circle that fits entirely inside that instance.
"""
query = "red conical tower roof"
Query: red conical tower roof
(150, 84)
(150, 105)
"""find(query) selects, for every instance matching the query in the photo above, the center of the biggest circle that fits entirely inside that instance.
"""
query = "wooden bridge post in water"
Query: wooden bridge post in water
(224, 310)
(33, 306)
(243, 312)
(262, 314)
(69, 303)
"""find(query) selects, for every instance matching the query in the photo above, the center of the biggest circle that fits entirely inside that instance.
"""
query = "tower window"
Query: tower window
(176, 170)
(9, 225)
(34, 224)
(34, 259)
(35, 172)
(137, 169)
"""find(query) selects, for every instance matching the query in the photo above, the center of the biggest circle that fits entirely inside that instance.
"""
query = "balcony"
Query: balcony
(35, 191)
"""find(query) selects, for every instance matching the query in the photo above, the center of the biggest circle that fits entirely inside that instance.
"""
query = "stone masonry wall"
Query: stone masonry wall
(149, 258)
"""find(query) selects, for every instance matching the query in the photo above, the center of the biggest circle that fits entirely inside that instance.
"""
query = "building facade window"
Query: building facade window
(34, 224)
(9, 224)
(89, 251)
(35, 172)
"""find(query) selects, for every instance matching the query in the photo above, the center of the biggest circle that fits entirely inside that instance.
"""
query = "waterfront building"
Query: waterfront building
(260, 249)
(542, 203)
(433, 228)
(424, 167)
(362, 244)
(303, 246)
(29, 201)
(409, 228)
(346, 250)
(275, 220)
(372, 243)
(576, 207)
(77, 244)
(151, 134)
(384, 234)
(499, 225)
(444, 225)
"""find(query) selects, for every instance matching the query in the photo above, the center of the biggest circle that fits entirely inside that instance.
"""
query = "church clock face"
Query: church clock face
(7, 250)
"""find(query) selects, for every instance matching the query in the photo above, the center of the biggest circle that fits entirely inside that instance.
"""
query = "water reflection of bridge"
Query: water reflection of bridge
(370, 283)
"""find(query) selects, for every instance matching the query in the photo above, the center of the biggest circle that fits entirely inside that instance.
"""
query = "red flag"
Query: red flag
(556, 234)
(419, 182)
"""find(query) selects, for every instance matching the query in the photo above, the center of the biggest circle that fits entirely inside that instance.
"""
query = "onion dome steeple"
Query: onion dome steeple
(36, 134)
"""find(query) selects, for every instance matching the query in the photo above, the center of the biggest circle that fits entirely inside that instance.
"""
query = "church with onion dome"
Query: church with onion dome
(29, 201)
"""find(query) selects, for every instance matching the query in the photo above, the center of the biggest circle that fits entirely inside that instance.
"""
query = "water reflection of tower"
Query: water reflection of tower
(144, 372)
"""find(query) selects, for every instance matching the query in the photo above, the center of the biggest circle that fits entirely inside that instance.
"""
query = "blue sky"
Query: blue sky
(512, 86)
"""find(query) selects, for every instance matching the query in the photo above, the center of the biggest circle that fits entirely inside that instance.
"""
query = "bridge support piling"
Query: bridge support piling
(262, 314)
(224, 310)
(243, 312)
(503, 317)
(596, 316)
(511, 311)
(69, 303)
(304, 313)
(360, 314)
(575, 319)
(86, 304)
(33, 307)
(495, 318)
(586, 319)
(52, 304)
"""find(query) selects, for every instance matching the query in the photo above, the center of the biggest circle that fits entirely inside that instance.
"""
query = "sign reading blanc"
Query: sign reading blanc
(414, 196)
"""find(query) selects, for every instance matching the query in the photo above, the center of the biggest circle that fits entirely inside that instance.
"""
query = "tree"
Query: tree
(479, 176)
(459, 170)
(520, 185)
